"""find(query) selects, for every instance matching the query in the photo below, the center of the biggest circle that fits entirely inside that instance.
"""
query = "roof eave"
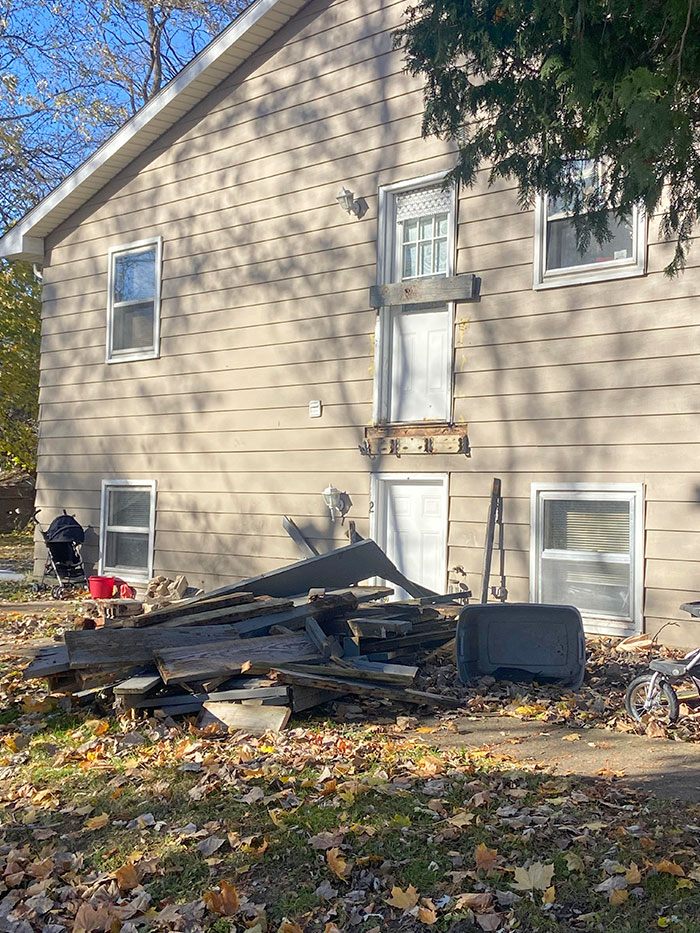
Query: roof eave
(26, 239)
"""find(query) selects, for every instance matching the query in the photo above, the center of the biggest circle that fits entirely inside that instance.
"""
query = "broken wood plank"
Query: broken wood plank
(375, 672)
(296, 618)
(228, 615)
(463, 287)
(295, 533)
(414, 640)
(379, 628)
(342, 567)
(203, 662)
(139, 685)
(365, 688)
(47, 663)
(307, 697)
(257, 719)
(318, 637)
(112, 645)
(189, 607)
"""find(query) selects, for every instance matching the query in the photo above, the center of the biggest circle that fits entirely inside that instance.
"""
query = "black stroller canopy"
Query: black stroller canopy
(65, 529)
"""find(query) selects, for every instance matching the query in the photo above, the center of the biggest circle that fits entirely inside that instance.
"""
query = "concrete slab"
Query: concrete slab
(667, 769)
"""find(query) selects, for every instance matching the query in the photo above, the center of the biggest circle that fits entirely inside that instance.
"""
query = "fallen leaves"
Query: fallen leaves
(537, 877)
(224, 901)
(486, 859)
(97, 822)
(338, 864)
(127, 877)
(403, 900)
(667, 867)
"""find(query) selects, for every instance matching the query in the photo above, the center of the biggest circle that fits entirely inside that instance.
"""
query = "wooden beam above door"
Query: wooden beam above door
(426, 291)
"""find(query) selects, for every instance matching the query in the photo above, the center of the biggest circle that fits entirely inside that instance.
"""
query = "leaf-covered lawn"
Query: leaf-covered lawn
(111, 826)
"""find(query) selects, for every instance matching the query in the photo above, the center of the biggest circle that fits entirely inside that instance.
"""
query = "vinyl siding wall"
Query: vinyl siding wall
(265, 306)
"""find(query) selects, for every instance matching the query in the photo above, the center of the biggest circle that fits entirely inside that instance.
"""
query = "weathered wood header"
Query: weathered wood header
(424, 291)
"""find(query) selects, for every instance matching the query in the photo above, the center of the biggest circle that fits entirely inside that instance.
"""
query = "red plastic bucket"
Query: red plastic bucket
(101, 587)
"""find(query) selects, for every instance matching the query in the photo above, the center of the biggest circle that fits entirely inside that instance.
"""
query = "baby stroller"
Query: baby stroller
(63, 561)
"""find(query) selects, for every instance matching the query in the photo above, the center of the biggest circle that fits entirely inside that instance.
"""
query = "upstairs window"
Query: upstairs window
(587, 552)
(558, 260)
(127, 528)
(133, 311)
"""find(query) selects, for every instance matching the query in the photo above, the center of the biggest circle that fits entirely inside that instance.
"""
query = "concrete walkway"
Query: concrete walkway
(665, 768)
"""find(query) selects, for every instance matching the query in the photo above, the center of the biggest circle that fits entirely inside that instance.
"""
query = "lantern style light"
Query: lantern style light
(333, 498)
(349, 203)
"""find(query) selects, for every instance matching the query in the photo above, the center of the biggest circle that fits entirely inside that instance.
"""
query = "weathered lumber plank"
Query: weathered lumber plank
(307, 697)
(296, 618)
(364, 688)
(112, 645)
(305, 548)
(257, 719)
(228, 614)
(342, 567)
(370, 671)
(47, 663)
(204, 662)
(379, 628)
(139, 685)
(463, 287)
(188, 607)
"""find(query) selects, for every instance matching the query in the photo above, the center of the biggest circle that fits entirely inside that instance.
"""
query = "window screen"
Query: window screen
(127, 519)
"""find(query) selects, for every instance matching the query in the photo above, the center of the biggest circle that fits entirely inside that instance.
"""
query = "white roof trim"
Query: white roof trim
(197, 79)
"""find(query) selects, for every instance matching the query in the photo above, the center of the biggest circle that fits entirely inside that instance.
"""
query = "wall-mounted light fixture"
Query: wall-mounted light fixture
(337, 502)
(351, 204)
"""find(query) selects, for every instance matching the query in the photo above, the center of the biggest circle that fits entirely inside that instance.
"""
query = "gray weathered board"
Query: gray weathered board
(365, 688)
(114, 645)
(207, 616)
(235, 716)
(202, 662)
(339, 568)
(423, 291)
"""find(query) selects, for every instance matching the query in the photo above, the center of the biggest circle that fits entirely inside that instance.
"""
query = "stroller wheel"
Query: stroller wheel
(37, 588)
(58, 592)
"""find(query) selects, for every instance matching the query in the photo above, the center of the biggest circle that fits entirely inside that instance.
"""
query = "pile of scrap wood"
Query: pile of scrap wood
(249, 655)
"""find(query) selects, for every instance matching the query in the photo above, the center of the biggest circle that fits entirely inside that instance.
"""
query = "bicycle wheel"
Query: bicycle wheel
(662, 705)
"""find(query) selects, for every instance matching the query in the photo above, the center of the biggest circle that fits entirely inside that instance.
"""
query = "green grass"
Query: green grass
(391, 836)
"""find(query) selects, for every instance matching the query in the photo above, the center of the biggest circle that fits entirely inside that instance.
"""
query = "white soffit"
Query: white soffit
(246, 34)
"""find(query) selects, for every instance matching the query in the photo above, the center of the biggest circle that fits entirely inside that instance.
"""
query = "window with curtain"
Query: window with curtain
(586, 551)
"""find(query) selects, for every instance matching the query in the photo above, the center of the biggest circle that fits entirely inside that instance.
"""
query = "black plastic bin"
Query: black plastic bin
(517, 641)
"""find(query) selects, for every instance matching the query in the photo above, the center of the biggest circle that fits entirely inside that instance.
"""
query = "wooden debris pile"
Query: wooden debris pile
(249, 661)
(245, 659)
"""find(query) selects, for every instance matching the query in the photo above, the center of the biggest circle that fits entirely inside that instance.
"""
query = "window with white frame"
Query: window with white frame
(586, 551)
(127, 528)
(133, 309)
(414, 375)
(558, 261)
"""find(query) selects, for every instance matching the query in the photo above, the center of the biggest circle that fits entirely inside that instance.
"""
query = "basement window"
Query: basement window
(133, 308)
(127, 528)
(586, 551)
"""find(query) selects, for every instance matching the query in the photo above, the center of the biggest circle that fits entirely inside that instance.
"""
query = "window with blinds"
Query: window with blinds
(128, 510)
(584, 543)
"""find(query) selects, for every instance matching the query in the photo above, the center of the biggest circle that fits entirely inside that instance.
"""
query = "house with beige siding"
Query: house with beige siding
(260, 286)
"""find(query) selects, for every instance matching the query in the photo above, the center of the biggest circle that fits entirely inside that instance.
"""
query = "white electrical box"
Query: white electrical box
(315, 408)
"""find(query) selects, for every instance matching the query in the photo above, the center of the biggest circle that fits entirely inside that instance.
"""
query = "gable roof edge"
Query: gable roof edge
(226, 52)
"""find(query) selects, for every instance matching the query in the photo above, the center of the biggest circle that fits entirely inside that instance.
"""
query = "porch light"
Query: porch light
(337, 502)
(350, 204)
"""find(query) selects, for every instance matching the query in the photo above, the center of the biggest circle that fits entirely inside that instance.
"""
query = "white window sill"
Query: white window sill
(601, 625)
(125, 573)
(133, 357)
(603, 274)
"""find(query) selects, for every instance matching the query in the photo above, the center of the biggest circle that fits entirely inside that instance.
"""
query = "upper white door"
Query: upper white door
(411, 526)
(415, 375)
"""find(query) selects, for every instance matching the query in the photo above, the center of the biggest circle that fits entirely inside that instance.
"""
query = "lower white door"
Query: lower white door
(410, 523)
